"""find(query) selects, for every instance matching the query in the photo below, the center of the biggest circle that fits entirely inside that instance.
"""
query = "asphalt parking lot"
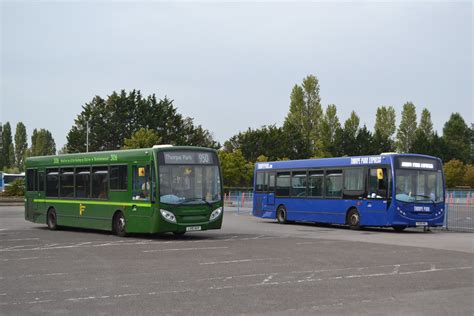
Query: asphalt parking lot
(251, 266)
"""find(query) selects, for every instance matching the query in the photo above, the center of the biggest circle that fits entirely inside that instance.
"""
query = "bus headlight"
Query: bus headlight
(168, 216)
(215, 214)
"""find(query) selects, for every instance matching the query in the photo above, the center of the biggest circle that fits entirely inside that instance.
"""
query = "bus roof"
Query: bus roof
(104, 157)
(352, 161)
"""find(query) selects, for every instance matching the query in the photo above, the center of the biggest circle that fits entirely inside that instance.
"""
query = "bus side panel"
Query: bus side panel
(82, 215)
(139, 219)
(374, 213)
(315, 210)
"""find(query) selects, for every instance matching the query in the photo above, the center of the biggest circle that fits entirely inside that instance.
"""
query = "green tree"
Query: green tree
(236, 171)
(349, 136)
(457, 138)
(407, 128)
(16, 188)
(8, 154)
(117, 117)
(364, 142)
(454, 171)
(468, 178)
(143, 138)
(384, 130)
(21, 145)
(305, 113)
(270, 141)
(424, 135)
(329, 129)
(42, 143)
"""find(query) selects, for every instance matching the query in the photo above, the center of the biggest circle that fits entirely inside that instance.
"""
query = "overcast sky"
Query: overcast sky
(231, 66)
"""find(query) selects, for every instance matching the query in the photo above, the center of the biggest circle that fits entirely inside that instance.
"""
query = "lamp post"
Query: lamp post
(87, 136)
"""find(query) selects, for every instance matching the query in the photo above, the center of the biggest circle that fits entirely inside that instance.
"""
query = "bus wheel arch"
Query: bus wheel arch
(281, 214)
(353, 218)
(52, 218)
(119, 224)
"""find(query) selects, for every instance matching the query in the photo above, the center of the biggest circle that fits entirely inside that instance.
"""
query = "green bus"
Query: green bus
(152, 190)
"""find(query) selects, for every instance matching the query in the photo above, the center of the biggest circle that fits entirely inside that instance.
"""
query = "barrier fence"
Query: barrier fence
(239, 200)
(459, 215)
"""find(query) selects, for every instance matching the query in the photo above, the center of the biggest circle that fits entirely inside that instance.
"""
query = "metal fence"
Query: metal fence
(240, 201)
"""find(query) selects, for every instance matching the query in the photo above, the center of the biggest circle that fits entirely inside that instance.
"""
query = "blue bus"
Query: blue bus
(388, 190)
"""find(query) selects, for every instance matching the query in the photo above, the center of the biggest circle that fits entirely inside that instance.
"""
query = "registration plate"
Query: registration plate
(421, 224)
(193, 228)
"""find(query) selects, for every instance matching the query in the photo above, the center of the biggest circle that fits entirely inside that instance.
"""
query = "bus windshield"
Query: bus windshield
(189, 184)
(425, 186)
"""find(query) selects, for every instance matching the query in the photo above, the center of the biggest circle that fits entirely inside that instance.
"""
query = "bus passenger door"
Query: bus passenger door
(377, 196)
(271, 189)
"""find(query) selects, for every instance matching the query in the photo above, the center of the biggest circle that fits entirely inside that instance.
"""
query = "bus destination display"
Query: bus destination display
(188, 158)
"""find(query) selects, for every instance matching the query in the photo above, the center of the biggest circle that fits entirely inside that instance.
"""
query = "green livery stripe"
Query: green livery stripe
(91, 202)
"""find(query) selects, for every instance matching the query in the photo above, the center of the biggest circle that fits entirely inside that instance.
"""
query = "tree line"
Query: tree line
(309, 131)
(131, 120)
(15, 149)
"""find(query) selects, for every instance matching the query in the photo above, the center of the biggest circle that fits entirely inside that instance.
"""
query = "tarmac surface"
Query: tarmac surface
(250, 267)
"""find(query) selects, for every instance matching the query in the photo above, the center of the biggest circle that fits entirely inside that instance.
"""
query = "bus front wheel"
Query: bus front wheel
(52, 220)
(281, 215)
(353, 219)
(119, 225)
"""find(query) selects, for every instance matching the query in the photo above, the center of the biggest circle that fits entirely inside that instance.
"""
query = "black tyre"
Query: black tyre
(179, 233)
(399, 228)
(281, 215)
(353, 219)
(120, 225)
(51, 219)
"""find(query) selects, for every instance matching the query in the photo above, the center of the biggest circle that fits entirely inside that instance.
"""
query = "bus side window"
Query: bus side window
(142, 184)
(271, 182)
(83, 182)
(40, 185)
(283, 184)
(333, 183)
(260, 182)
(378, 180)
(100, 182)
(52, 182)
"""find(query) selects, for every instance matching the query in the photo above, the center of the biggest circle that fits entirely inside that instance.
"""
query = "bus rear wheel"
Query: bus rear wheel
(51, 220)
(119, 225)
(399, 228)
(281, 215)
(353, 219)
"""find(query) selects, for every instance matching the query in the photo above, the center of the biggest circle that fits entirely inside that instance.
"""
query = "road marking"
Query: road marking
(19, 239)
(185, 249)
(17, 259)
(234, 261)
(333, 278)
(38, 275)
